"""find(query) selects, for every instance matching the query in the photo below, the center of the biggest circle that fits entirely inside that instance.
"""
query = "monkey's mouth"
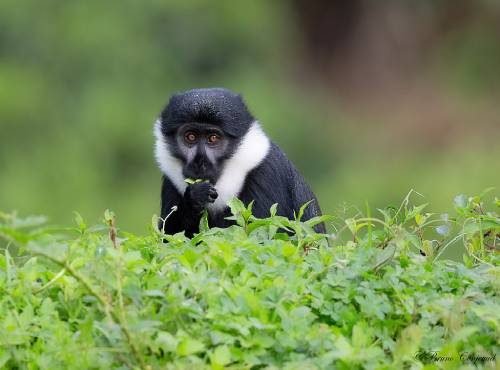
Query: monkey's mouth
(195, 176)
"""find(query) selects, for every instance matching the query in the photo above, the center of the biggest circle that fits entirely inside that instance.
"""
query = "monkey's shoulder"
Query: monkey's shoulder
(274, 180)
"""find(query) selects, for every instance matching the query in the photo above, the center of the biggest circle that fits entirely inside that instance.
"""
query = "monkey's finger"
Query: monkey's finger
(212, 194)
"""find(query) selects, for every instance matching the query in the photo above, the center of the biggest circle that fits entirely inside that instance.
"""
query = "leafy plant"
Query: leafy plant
(263, 293)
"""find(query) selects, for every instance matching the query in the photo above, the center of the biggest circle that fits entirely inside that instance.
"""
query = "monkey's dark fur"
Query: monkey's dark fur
(237, 159)
(216, 105)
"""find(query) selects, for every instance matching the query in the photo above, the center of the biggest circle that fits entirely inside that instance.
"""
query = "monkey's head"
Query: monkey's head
(198, 131)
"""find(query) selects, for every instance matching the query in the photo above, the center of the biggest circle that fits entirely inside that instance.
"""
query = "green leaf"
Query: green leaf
(476, 225)
(360, 336)
(408, 343)
(303, 209)
(190, 346)
(415, 211)
(238, 210)
(203, 226)
(273, 209)
(351, 224)
(167, 341)
(385, 255)
(221, 356)
(80, 223)
(109, 216)
(194, 181)
(318, 219)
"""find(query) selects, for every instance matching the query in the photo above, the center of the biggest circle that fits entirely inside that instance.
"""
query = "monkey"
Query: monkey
(209, 135)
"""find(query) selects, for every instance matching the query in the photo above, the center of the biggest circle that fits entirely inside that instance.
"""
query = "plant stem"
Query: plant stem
(107, 307)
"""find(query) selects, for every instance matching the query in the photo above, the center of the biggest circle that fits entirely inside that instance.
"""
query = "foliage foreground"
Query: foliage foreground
(376, 294)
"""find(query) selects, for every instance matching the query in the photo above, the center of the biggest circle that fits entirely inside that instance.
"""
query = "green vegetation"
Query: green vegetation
(193, 181)
(252, 295)
(81, 84)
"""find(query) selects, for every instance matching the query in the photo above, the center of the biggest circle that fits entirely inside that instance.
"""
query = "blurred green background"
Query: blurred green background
(369, 99)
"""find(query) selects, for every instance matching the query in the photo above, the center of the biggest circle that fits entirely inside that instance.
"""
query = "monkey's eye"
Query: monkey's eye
(190, 137)
(213, 139)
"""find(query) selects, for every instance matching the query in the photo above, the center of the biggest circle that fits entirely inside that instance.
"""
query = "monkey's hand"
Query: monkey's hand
(199, 194)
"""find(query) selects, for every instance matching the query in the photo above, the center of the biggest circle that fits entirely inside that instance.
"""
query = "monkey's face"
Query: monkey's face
(202, 149)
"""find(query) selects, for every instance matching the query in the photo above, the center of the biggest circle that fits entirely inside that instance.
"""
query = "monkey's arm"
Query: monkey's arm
(189, 210)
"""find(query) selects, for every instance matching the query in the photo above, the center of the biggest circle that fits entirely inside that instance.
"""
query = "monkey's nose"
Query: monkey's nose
(199, 171)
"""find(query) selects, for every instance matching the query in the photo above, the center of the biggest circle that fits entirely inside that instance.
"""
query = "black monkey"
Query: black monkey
(209, 134)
